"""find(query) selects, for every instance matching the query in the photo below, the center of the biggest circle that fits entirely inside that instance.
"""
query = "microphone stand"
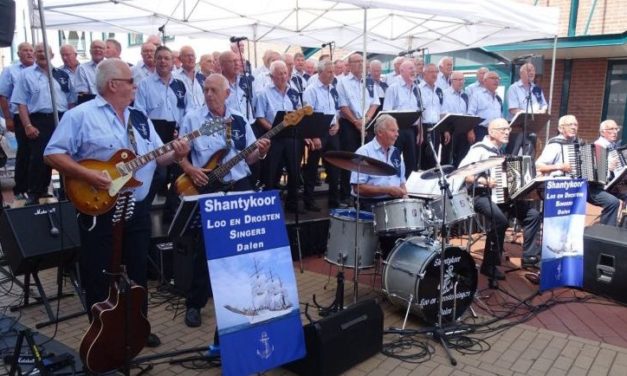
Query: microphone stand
(438, 332)
(246, 74)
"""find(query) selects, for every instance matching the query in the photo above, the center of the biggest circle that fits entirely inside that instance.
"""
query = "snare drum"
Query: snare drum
(457, 209)
(413, 269)
(341, 243)
(398, 217)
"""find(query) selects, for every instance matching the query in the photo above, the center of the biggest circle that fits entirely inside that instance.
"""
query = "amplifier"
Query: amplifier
(605, 261)
(38, 237)
(341, 340)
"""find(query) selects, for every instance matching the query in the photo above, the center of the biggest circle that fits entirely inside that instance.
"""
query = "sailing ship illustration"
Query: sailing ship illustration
(268, 297)
(567, 246)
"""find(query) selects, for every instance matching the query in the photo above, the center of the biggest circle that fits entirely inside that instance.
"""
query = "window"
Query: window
(615, 104)
(75, 38)
(135, 39)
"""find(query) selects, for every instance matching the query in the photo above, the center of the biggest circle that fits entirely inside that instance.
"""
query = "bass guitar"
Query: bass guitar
(119, 329)
(120, 168)
(184, 184)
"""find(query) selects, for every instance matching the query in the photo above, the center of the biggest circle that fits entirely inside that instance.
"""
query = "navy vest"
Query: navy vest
(62, 78)
(178, 87)
(139, 121)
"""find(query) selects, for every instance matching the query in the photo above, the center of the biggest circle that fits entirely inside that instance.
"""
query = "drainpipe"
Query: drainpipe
(572, 19)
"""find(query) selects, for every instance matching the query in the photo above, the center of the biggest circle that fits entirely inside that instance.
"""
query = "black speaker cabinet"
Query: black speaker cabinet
(605, 261)
(341, 340)
(38, 237)
(7, 22)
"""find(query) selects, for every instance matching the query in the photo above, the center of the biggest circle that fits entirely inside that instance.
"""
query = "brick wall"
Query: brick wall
(586, 96)
(608, 18)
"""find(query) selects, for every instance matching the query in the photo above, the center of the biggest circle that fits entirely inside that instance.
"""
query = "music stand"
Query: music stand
(404, 119)
(527, 124)
(456, 124)
(187, 216)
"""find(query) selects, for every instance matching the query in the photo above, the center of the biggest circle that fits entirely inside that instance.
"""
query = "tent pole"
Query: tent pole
(44, 36)
(363, 77)
(254, 44)
(548, 125)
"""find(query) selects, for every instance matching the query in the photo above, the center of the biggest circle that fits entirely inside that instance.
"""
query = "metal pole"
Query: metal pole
(44, 35)
(363, 78)
(551, 87)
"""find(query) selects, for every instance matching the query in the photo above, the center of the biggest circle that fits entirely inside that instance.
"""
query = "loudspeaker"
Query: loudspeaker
(7, 22)
(341, 340)
(38, 237)
(605, 261)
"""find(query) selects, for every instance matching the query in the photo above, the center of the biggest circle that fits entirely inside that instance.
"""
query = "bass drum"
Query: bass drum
(413, 269)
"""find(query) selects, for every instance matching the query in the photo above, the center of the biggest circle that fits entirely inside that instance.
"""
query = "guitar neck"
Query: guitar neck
(220, 171)
(141, 161)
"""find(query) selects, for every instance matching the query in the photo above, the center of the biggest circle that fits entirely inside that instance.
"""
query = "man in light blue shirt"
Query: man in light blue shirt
(478, 84)
(238, 138)
(404, 95)
(240, 87)
(445, 67)
(352, 116)
(486, 104)
(432, 99)
(190, 77)
(86, 73)
(323, 97)
(8, 82)
(97, 130)
(286, 150)
(456, 102)
(146, 66)
(70, 62)
(524, 96)
(32, 95)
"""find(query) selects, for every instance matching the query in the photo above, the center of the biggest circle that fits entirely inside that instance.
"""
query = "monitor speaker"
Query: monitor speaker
(341, 340)
(605, 261)
(39, 237)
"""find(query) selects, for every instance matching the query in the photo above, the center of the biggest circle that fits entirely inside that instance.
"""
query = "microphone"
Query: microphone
(409, 52)
(330, 44)
(54, 231)
(237, 39)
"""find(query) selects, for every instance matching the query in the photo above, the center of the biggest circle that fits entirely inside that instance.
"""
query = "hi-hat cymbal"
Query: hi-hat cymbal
(358, 163)
(434, 173)
(477, 167)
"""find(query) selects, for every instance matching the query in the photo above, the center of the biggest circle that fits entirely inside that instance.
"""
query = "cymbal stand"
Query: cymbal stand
(357, 253)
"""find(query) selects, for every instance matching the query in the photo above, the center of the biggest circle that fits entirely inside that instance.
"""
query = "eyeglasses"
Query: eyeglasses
(612, 129)
(127, 80)
(504, 130)
(571, 125)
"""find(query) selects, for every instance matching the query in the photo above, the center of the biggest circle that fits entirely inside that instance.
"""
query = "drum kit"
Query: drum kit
(420, 261)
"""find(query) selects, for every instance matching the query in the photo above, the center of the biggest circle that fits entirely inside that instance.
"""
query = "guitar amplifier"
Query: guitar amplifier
(38, 237)
(341, 340)
(605, 261)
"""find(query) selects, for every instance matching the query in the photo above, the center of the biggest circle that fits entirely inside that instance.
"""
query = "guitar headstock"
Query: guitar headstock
(214, 125)
(124, 207)
(296, 116)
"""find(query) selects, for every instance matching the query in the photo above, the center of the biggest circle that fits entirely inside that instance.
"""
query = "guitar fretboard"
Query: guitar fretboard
(220, 171)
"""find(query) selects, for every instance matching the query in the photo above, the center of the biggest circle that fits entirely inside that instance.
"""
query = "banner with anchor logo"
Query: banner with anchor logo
(253, 282)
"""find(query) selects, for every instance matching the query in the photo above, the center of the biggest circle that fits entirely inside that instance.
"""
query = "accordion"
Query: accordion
(587, 161)
(619, 175)
(512, 175)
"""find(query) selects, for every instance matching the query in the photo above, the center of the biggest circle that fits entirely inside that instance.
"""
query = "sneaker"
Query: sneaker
(192, 317)
(530, 261)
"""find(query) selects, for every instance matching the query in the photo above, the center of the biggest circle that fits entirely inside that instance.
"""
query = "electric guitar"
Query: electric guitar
(184, 184)
(120, 168)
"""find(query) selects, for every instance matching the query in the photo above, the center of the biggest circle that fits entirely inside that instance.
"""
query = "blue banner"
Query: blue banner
(252, 278)
(562, 236)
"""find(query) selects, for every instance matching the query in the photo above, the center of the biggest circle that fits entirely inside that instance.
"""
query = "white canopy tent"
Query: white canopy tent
(394, 25)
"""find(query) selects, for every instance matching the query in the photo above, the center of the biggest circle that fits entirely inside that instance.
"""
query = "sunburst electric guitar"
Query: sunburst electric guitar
(184, 184)
(120, 168)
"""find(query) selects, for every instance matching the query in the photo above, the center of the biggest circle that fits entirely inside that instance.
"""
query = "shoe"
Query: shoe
(498, 275)
(192, 317)
(530, 261)
(312, 207)
(21, 196)
(153, 340)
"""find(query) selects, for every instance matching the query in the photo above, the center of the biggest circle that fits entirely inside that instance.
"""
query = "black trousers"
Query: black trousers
(310, 175)
(39, 173)
(406, 143)
(200, 289)
(350, 140)
(97, 250)
(610, 204)
(427, 158)
(333, 173)
(163, 175)
(22, 158)
(497, 223)
(288, 152)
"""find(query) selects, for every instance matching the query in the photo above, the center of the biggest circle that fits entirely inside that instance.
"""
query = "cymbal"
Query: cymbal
(434, 173)
(477, 167)
(359, 163)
